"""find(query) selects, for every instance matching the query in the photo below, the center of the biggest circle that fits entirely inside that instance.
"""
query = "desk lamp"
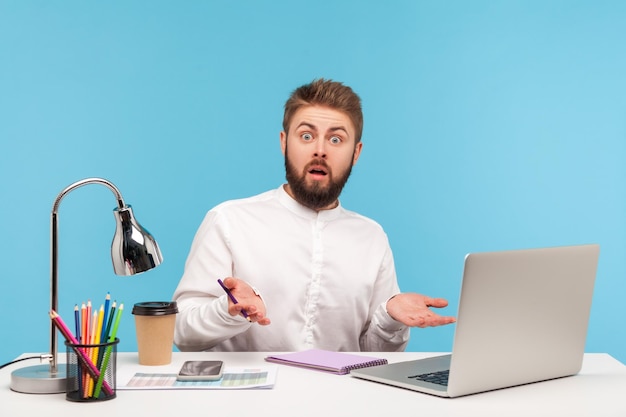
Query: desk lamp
(133, 251)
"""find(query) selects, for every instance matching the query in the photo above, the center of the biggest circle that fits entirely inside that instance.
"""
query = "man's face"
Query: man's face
(320, 150)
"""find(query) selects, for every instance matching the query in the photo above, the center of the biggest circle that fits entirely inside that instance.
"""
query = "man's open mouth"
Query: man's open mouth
(318, 171)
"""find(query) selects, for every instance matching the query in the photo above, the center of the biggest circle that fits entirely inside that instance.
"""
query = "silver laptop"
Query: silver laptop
(522, 318)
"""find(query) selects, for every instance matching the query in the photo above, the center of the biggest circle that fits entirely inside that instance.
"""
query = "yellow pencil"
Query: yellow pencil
(87, 326)
(96, 340)
(92, 335)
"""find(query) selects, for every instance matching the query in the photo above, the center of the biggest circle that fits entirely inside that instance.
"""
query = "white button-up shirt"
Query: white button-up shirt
(325, 278)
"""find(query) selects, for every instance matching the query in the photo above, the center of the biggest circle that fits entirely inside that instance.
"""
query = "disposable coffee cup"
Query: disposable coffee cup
(154, 325)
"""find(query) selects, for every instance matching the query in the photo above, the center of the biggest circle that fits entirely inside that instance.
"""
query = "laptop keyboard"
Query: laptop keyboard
(440, 378)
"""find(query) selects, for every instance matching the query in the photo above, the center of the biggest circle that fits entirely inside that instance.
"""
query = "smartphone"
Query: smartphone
(201, 371)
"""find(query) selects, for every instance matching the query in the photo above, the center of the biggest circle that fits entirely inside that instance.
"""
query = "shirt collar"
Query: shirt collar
(303, 211)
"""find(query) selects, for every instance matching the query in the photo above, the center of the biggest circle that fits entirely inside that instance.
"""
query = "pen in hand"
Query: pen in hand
(233, 299)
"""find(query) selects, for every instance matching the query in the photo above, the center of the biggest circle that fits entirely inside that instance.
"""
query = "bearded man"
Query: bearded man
(300, 270)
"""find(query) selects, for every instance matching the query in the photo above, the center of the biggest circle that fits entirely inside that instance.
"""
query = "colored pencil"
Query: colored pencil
(77, 325)
(93, 319)
(83, 340)
(95, 339)
(87, 324)
(107, 303)
(94, 327)
(107, 355)
(77, 321)
(84, 359)
(232, 298)
(98, 332)
(107, 330)
(83, 320)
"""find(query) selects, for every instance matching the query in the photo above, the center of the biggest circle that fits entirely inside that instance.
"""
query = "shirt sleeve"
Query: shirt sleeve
(203, 320)
(385, 334)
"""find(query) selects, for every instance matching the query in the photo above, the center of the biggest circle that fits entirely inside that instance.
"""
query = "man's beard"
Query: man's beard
(316, 196)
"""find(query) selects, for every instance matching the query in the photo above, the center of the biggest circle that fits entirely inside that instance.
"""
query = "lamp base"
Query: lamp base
(39, 380)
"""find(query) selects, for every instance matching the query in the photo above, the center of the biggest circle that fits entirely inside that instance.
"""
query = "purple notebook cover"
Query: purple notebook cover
(325, 360)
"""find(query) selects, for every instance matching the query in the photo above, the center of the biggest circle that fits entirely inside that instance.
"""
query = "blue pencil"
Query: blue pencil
(107, 302)
(110, 323)
(77, 325)
(77, 321)
(107, 330)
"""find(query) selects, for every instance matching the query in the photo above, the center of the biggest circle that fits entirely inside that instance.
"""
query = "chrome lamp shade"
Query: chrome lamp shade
(133, 251)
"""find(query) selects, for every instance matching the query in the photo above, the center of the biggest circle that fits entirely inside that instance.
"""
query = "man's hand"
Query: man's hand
(247, 299)
(413, 310)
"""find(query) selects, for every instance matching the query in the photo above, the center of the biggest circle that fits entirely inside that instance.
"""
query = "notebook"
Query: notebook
(324, 360)
(522, 318)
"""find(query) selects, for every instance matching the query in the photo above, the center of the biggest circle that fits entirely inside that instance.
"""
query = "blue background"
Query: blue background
(489, 125)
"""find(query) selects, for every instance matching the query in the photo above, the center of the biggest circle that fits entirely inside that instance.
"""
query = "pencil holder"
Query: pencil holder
(91, 371)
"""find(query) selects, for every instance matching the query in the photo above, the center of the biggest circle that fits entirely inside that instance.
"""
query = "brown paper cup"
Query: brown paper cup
(154, 324)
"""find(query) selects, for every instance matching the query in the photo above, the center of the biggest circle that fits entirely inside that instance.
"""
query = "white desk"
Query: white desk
(598, 390)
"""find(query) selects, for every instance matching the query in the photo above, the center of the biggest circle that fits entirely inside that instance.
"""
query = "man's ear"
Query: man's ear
(357, 152)
(283, 141)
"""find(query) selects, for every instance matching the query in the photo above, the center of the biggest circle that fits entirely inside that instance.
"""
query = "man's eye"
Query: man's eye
(307, 136)
(335, 140)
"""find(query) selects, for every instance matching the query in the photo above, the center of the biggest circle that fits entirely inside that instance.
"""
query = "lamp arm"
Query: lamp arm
(77, 184)
(54, 254)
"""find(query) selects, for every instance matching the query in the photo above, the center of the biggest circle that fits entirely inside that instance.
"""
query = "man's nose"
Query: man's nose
(320, 148)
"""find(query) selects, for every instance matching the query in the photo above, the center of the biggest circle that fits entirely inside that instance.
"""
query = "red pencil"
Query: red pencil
(91, 368)
(88, 323)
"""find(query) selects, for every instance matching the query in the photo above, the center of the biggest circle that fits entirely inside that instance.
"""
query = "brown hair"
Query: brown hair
(326, 93)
